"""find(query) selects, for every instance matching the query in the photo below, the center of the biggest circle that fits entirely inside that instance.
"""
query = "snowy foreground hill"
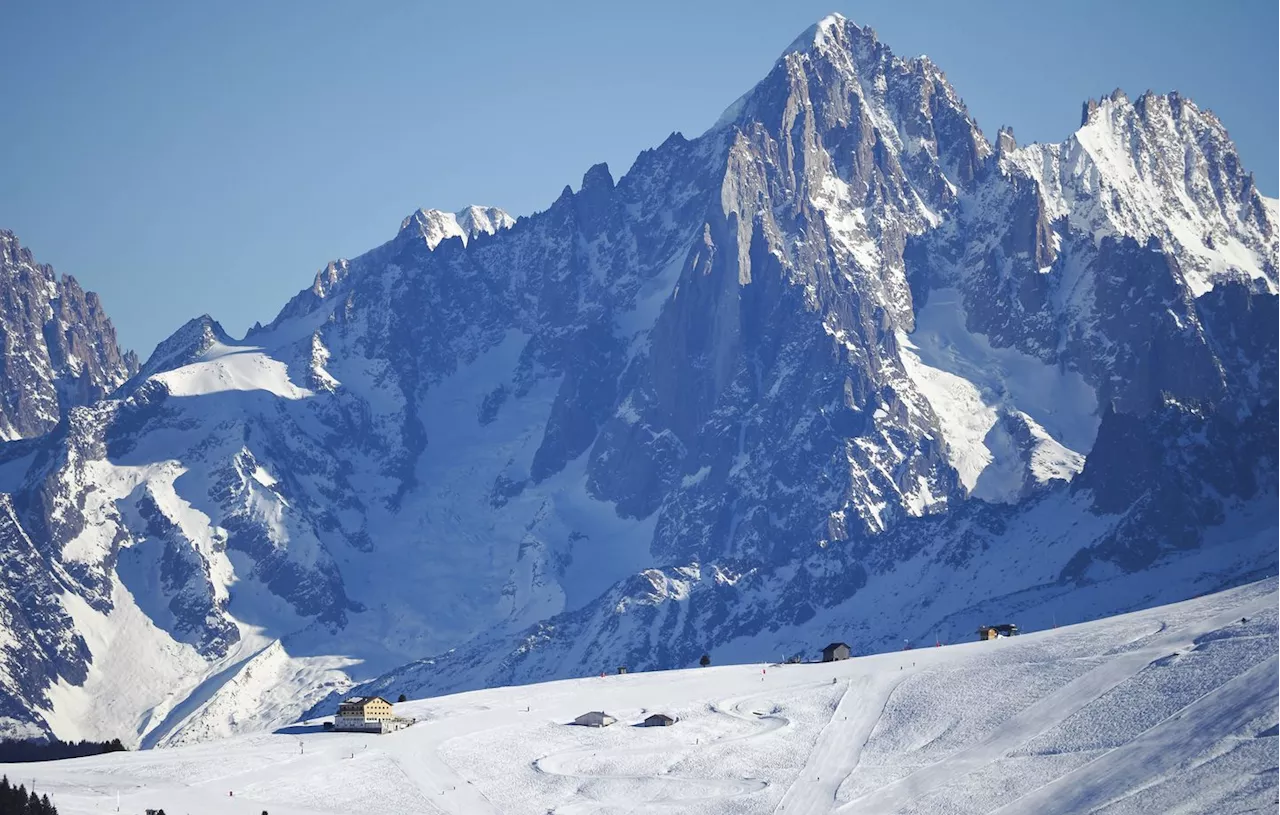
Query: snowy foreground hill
(1169, 710)
(839, 367)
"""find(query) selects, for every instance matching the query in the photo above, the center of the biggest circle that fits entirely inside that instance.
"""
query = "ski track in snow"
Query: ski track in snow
(839, 747)
(443, 788)
(1041, 716)
(668, 790)
(782, 739)
(1198, 726)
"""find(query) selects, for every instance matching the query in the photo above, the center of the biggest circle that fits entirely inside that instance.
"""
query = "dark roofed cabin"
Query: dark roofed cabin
(836, 651)
(659, 720)
(595, 718)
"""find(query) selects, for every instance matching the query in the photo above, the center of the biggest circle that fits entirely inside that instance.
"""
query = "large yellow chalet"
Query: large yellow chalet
(366, 714)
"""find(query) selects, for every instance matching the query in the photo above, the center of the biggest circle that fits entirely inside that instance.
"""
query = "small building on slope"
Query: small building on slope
(991, 632)
(368, 714)
(595, 718)
(835, 652)
(659, 720)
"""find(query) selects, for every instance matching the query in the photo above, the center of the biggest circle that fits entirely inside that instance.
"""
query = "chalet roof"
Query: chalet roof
(363, 700)
(835, 645)
(660, 716)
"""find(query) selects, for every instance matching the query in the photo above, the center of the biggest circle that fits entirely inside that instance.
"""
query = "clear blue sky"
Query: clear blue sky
(189, 157)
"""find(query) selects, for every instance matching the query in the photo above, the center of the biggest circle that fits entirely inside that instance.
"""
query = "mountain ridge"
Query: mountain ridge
(837, 367)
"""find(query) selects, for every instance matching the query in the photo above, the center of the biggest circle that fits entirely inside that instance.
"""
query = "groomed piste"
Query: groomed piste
(1168, 710)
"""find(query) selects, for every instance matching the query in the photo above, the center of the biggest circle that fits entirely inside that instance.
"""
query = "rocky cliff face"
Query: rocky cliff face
(59, 348)
(837, 368)
(1101, 247)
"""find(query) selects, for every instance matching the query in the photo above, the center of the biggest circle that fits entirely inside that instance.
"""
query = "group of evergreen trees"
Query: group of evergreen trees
(17, 801)
(17, 752)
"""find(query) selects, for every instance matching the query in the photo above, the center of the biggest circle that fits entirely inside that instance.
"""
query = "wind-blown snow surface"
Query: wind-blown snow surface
(1169, 710)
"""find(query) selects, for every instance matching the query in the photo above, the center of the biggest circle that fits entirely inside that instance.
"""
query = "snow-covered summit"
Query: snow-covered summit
(424, 227)
(434, 225)
(830, 30)
(1159, 166)
(183, 346)
(475, 220)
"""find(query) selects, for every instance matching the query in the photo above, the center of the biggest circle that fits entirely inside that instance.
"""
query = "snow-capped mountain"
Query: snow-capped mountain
(836, 368)
(59, 347)
(433, 226)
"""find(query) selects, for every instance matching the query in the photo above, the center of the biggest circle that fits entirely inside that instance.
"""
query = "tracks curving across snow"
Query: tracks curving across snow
(1044, 714)
(839, 747)
(1196, 730)
(649, 791)
(1169, 709)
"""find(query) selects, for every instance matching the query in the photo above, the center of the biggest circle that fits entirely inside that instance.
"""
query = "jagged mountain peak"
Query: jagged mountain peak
(427, 227)
(197, 333)
(11, 249)
(475, 220)
(853, 88)
(857, 48)
(597, 176)
(1119, 98)
(1158, 166)
(328, 278)
(816, 35)
(17, 259)
(777, 382)
(835, 32)
(1151, 108)
(434, 226)
(1006, 141)
(59, 348)
(838, 42)
(188, 343)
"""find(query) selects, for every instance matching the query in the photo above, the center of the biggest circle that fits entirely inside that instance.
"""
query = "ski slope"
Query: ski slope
(1169, 710)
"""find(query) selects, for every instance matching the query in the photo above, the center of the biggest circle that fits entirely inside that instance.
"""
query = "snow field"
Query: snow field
(1172, 709)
